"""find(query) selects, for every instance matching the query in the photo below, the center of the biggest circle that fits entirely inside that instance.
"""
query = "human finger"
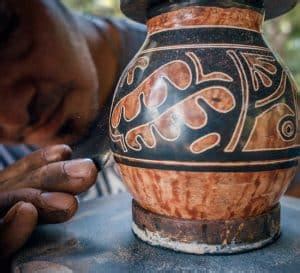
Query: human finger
(74, 176)
(36, 160)
(52, 207)
(16, 227)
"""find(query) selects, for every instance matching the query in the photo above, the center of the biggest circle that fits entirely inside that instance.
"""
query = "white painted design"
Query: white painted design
(141, 63)
(275, 95)
(287, 129)
(292, 113)
(260, 68)
(119, 138)
(202, 26)
(201, 77)
(160, 81)
(175, 110)
(209, 147)
(204, 46)
(245, 103)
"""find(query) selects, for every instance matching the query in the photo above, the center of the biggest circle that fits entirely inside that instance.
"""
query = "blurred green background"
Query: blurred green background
(283, 33)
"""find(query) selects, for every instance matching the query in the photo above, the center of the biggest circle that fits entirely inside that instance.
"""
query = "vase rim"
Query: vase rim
(203, 16)
(142, 10)
(160, 7)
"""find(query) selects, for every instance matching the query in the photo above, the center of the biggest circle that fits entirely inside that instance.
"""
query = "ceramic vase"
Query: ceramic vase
(203, 127)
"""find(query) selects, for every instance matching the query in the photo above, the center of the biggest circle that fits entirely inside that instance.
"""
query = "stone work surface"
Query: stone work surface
(99, 239)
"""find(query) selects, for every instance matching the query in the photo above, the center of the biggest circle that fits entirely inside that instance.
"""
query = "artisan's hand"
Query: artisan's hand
(40, 188)
(51, 62)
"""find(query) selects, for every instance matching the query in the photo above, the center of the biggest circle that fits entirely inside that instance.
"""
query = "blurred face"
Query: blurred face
(48, 82)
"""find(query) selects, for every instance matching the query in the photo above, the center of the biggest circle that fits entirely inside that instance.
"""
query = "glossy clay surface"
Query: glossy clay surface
(203, 121)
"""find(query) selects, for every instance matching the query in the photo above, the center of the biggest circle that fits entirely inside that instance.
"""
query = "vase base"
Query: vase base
(206, 237)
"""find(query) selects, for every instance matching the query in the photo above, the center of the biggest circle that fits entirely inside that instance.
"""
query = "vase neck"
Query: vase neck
(198, 15)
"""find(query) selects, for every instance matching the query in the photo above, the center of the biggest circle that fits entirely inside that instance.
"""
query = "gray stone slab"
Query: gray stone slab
(99, 239)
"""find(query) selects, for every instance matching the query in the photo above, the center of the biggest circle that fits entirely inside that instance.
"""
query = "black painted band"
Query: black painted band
(212, 168)
(203, 35)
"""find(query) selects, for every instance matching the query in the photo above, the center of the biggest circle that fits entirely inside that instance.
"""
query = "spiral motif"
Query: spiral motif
(287, 128)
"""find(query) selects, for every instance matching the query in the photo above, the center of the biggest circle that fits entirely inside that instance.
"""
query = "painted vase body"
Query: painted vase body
(204, 122)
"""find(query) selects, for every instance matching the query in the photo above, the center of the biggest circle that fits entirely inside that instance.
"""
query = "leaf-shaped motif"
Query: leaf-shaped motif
(189, 111)
(153, 91)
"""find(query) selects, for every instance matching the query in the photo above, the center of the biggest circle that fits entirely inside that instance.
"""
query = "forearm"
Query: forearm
(60, 68)
(104, 42)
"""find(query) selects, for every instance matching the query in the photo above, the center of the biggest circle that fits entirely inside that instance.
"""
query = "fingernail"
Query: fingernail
(52, 199)
(78, 168)
(57, 153)
(59, 201)
(59, 207)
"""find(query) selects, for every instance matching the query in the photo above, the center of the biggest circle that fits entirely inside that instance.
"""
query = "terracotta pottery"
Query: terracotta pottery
(203, 126)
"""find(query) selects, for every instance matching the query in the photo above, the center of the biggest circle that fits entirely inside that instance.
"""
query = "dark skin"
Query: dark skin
(56, 71)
